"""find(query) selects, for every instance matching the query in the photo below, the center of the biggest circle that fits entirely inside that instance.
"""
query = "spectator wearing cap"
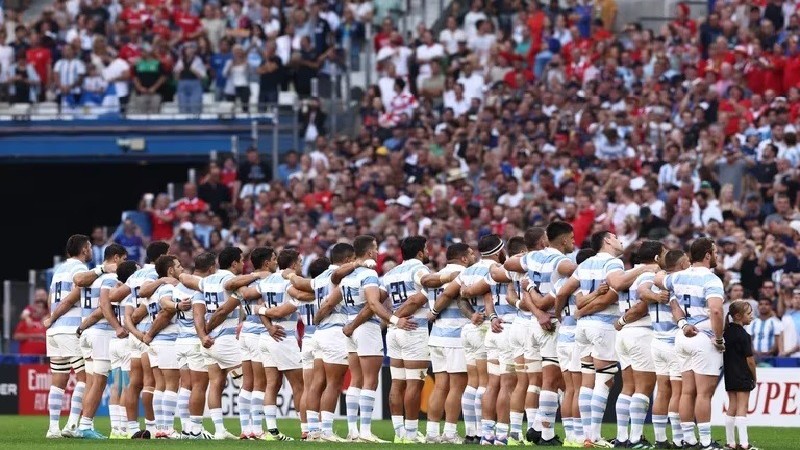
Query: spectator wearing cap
(766, 330)
(652, 226)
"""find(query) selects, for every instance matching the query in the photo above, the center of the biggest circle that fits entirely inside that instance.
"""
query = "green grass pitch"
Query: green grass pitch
(17, 432)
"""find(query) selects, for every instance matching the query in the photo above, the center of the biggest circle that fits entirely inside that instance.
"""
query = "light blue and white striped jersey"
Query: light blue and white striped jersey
(252, 322)
(634, 299)
(541, 267)
(402, 282)
(187, 333)
(90, 299)
(664, 327)
(215, 294)
(69, 72)
(322, 288)
(170, 332)
(694, 287)
(505, 311)
(765, 332)
(446, 330)
(353, 286)
(591, 274)
(273, 292)
(135, 281)
(473, 274)
(60, 287)
(566, 331)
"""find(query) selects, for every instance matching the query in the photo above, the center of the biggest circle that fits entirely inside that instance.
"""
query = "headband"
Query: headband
(495, 250)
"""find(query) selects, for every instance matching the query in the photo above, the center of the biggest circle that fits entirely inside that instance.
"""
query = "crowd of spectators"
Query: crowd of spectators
(136, 54)
(519, 113)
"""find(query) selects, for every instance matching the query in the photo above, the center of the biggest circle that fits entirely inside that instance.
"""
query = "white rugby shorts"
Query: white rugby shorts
(333, 345)
(448, 359)
(188, 354)
(665, 359)
(366, 340)
(63, 346)
(698, 354)
(120, 353)
(225, 352)
(473, 339)
(596, 339)
(633, 348)
(407, 345)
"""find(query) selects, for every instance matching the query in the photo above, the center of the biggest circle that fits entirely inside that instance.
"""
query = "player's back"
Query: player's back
(169, 332)
(60, 286)
(473, 274)
(185, 319)
(568, 320)
(215, 294)
(322, 289)
(273, 291)
(693, 287)
(446, 329)
(353, 286)
(664, 327)
(135, 282)
(90, 299)
(502, 308)
(593, 272)
(542, 268)
(402, 282)
(633, 299)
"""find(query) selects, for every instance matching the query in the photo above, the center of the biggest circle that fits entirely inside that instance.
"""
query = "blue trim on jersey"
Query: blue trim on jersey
(446, 332)
(605, 318)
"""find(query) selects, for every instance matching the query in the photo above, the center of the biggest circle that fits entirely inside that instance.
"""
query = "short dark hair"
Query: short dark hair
(584, 254)
(154, 250)
(205, 261)
(75, 244)
(287, 257)
(516, 245)
(125, 269)
(557, 229)
(261, 255)
(596, 240)
(340, 252)
(411, 246)
(362, 244)
(700, 248)
(228, 256)
(164, 263)
(114, 250)
(672, 257)
(456, 251)
(647, 252)
(318, 266)
(533, 235)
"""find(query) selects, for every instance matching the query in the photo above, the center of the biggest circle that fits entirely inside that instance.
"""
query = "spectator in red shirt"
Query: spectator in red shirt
(162, 218)
(190, 203)
(30, 332)
(383, 38)
(41, 58)
(190, 25)
(131, 16)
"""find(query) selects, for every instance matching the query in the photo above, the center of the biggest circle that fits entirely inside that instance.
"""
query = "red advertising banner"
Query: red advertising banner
(34, 386)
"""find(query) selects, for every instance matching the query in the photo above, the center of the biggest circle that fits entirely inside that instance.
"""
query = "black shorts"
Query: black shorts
(738, 384)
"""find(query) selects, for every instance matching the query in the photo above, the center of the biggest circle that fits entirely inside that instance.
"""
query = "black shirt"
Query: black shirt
(738, 347)
(255, 173)
(215, 195)
(271, 81)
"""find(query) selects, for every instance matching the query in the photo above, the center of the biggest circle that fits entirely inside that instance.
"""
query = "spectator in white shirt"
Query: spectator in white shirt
(650, 200)
(705, 211)
(386, 84)
(483, 41)
(472, 81)
(68, 76)
(667, 172)
(428, 51)
(456, 100)
(513, 196)
(397, 53)
(625, 207)
(451, 35)
(474, 15)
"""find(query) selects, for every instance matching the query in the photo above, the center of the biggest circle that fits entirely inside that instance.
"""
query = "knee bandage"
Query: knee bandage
(236, 372)
(606, 374)
(534, 366)
(416, 374)
(101, 367)
(548, 361)
(521, 367)
(532, 389)
(492, 369)
(587, 368)
(398, 373)
(77, 364)
(60, 365)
